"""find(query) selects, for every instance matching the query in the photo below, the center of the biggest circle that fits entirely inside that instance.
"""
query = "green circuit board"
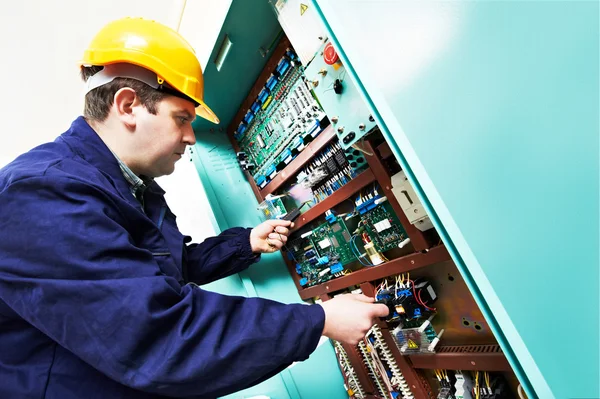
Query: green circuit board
(383, 227)
(299, 249)
(334, 240)
(330, 240)
(270, 131)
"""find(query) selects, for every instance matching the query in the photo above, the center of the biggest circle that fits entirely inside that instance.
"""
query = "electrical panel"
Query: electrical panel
(283, 118)
(339, 96)
(311, 149)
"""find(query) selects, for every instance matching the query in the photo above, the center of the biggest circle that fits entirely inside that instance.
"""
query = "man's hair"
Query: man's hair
(99, 100)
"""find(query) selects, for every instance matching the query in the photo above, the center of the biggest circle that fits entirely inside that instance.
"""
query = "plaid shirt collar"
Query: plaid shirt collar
(137, 184)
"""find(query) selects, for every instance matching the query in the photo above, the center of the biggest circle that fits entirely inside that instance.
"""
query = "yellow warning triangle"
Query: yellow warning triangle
(412, 344)
(303, 8)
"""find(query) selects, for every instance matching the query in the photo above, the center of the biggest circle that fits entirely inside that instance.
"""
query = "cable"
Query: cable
(418, 299)
(356, 147)
(520, 392)
(357, 252)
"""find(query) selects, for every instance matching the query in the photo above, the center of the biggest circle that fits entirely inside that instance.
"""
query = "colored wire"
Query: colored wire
(357, 252)
(418, 299)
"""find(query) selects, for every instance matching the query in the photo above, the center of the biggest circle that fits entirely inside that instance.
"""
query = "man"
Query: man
(97, 285)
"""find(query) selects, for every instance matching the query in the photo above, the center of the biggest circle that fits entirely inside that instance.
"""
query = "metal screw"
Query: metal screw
(334, 119)
(473, 363)
(412, 262)
(387, 187)
(341, 129)
(362, 126)
(326, 287)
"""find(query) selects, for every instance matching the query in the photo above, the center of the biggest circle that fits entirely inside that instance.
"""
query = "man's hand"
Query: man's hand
(270, 236)
(349, 317)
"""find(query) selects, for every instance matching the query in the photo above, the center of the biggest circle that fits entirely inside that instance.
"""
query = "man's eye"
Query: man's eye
(183, 120)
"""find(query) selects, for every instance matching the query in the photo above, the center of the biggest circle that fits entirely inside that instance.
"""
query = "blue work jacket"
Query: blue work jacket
(96, 293)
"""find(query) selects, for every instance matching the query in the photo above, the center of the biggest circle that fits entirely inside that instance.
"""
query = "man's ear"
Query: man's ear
(125, 102)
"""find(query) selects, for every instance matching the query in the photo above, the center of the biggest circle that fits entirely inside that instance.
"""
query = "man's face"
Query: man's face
(163, 137)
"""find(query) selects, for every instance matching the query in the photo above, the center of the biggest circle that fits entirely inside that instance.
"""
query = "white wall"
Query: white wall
(41, 42)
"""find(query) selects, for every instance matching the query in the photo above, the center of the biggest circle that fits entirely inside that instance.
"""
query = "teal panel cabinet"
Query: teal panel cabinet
(492, 109)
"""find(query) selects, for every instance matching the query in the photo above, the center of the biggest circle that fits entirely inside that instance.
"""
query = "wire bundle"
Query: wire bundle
(397, 377)
(353, 387)
(362, 347)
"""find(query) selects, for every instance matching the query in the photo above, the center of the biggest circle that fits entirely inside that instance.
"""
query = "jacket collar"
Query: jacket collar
(86, 143)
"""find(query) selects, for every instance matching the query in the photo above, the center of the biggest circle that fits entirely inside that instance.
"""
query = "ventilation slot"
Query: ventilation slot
(469, 349)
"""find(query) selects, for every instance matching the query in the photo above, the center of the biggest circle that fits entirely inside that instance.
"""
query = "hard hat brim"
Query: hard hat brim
(203, 111)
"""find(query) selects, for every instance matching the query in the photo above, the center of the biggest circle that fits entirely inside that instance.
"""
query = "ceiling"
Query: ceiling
(250, 25)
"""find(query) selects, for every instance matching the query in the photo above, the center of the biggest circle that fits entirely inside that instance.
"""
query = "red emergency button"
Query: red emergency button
(330, 55)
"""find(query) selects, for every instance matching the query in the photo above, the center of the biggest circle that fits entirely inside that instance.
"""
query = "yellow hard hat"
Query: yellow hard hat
(155, 47)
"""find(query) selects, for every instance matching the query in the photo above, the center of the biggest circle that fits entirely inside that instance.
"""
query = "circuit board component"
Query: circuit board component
(282, 120)
(333, 239)
(383, 227)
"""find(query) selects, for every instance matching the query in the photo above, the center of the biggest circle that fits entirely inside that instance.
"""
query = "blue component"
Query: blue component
(303, 281)
(290, 55)
(271, 82)
(404, 292)
(270, 170)
(313, 260)
(314, 130)
(284, 154)
(384, 295)
(262, 96)
(249, 117)
(323, 260)
(282, 67)
(417, 313)
(336, 268)
(255, 107)
(330, 217)
(298, 141)
(240, 131)
(261, 181)
(367, 205)
(299, 268)
(394, 394)
(310, 253)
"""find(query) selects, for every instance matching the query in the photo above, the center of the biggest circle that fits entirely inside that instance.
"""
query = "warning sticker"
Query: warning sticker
(303, 8)
(412, 344)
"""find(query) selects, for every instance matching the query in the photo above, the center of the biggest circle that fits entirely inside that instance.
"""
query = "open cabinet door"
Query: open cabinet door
(492, 110)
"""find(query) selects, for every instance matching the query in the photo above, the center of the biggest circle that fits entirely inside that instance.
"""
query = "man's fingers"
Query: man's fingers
(380, 310)
(282, 230)
(363, 298)
(273, 237)
(279, 222)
